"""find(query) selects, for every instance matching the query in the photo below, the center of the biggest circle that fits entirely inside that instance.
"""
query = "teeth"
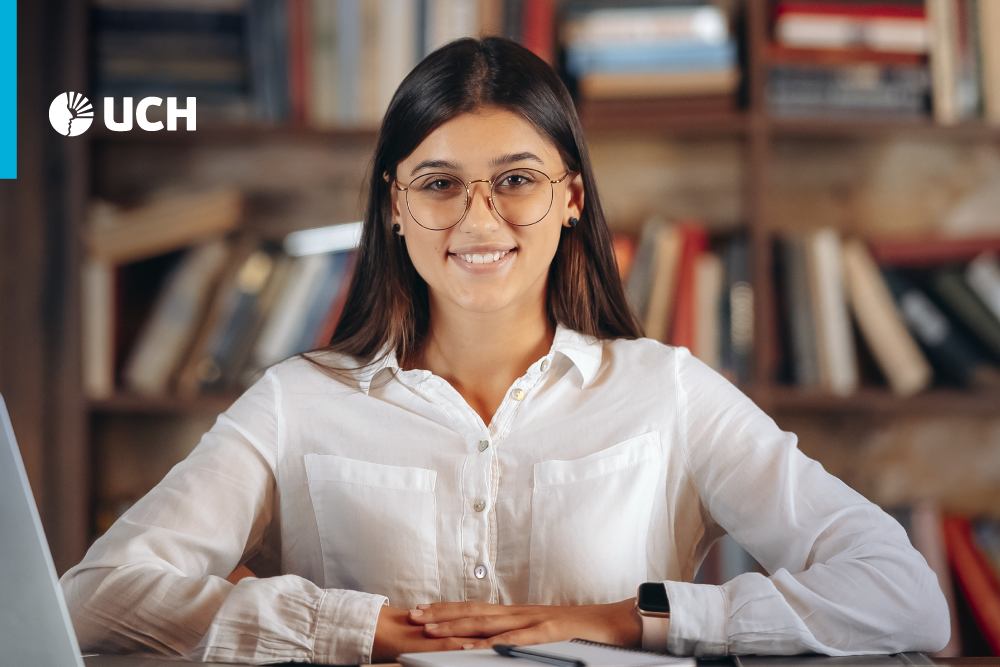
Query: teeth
(484, 258)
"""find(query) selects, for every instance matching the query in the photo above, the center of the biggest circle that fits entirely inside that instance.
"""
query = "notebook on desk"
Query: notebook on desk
(591, 653)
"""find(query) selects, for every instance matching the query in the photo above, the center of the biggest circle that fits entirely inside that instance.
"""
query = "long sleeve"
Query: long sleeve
(844, 576)
(156, 581)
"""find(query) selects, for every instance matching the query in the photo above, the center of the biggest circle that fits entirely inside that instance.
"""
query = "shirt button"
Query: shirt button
(484, 445)
(545, 365)
(518, 394)
(480, 571)
(479, 505)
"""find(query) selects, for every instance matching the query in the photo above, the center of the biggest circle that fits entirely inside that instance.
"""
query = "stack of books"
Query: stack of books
(180, 300)
(693, 291)
(321, 63)
(927, 312)
(174, 49)
(684, 53)
(898, 58)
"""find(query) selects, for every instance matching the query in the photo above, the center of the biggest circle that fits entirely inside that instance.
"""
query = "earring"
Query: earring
(573, 222)
(395, 228)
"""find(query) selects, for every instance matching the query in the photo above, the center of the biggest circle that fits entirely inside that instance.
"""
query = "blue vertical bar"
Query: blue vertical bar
(8, 89)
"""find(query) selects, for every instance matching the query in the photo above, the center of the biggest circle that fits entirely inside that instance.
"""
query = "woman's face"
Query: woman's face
(482, 145)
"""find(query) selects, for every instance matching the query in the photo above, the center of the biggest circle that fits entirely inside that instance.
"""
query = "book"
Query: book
(798, 313)
(168, 331)
(694, 242)
(926, 534)
(877, 26)
(983, 276)
(958, 298)
(975, 578)
(662, 293)
(594, 654)
(945, 60)
(989, 24)
(838, 366)
(98, 329)
(737, 313)
(897, 354)
(165, 223)
(708, 279)
(952, 355)
(627, 85)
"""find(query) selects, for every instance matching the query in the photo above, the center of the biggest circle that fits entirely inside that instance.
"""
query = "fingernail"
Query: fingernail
(422, 606)
(430, 626)
(466, 647)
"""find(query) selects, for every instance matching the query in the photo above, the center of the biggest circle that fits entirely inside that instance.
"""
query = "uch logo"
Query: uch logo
(71, 114)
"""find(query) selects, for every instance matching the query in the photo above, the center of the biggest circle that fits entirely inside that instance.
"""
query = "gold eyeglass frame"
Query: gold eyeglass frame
(468, 194)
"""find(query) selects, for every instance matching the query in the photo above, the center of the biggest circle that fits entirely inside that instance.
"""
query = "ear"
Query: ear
(574, 197)
(394, 200)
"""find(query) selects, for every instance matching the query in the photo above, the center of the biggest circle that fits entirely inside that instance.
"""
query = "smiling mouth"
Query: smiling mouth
(483, 258)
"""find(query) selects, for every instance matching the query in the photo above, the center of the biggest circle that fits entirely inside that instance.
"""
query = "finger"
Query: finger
(448, 611)
(478, 626)
(535, 634)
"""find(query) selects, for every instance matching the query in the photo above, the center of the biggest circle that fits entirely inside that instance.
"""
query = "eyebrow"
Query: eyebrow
(506, 158)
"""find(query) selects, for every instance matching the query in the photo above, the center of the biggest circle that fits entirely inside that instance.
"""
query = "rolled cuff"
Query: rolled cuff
(698, 618)
(345, 626)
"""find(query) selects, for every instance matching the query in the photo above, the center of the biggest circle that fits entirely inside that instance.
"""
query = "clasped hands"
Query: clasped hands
(465, 625)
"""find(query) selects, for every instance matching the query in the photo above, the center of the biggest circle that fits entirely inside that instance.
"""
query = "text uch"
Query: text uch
(142, 111)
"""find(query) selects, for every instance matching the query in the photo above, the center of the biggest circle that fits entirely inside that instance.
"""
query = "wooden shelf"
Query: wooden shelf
(237, 132)
(866, 128)
(935, 402)
(134, 404)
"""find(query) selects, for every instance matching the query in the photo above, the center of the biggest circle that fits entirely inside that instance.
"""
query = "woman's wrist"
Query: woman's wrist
(629, 623)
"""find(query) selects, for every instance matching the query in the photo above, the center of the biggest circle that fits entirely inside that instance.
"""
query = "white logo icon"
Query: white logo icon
(71, 114)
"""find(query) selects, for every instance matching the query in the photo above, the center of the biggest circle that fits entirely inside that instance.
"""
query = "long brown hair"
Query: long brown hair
(387, 301)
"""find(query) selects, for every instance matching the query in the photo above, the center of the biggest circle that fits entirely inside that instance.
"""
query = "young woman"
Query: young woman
(489, 450)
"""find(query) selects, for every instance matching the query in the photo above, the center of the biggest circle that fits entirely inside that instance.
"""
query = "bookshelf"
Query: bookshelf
(747, 135)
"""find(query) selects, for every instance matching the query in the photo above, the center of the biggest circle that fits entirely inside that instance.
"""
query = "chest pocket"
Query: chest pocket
(590, 523)
(377, 526)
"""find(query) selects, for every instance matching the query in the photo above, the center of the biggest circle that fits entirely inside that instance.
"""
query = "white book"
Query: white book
(98, 297)
(708, 278)
(591, 653)
(881, 323)
(837, 361)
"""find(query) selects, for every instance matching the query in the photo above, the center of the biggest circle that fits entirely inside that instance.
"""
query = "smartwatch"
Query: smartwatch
(654, 610)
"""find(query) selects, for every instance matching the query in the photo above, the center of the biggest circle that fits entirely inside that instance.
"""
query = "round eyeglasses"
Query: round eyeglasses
(439, 201)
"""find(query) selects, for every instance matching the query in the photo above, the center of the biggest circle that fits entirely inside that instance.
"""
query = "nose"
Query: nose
(480, 212)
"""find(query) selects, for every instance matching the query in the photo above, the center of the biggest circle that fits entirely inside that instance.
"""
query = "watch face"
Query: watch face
(653, 598)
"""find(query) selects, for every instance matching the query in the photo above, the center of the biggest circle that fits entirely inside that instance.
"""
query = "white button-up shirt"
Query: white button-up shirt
(608, 463)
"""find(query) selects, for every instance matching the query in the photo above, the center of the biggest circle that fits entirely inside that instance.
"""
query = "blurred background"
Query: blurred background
(805, 193)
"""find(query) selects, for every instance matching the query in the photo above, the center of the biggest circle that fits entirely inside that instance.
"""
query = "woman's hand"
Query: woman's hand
(479, 624)
(394, 634)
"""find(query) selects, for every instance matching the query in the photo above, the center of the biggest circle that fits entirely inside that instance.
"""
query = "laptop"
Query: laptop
(35, 627)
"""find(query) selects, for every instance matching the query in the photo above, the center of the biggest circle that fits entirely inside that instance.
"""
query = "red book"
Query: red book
(929, 250)
(624, 249)
(538, 28)
(694, 241)
(976, 579)
(851, 9)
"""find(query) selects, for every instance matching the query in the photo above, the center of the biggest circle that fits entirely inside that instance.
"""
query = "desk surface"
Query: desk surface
(855, 661)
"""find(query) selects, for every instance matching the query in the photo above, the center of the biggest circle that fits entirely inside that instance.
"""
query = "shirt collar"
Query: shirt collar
(584, 351)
